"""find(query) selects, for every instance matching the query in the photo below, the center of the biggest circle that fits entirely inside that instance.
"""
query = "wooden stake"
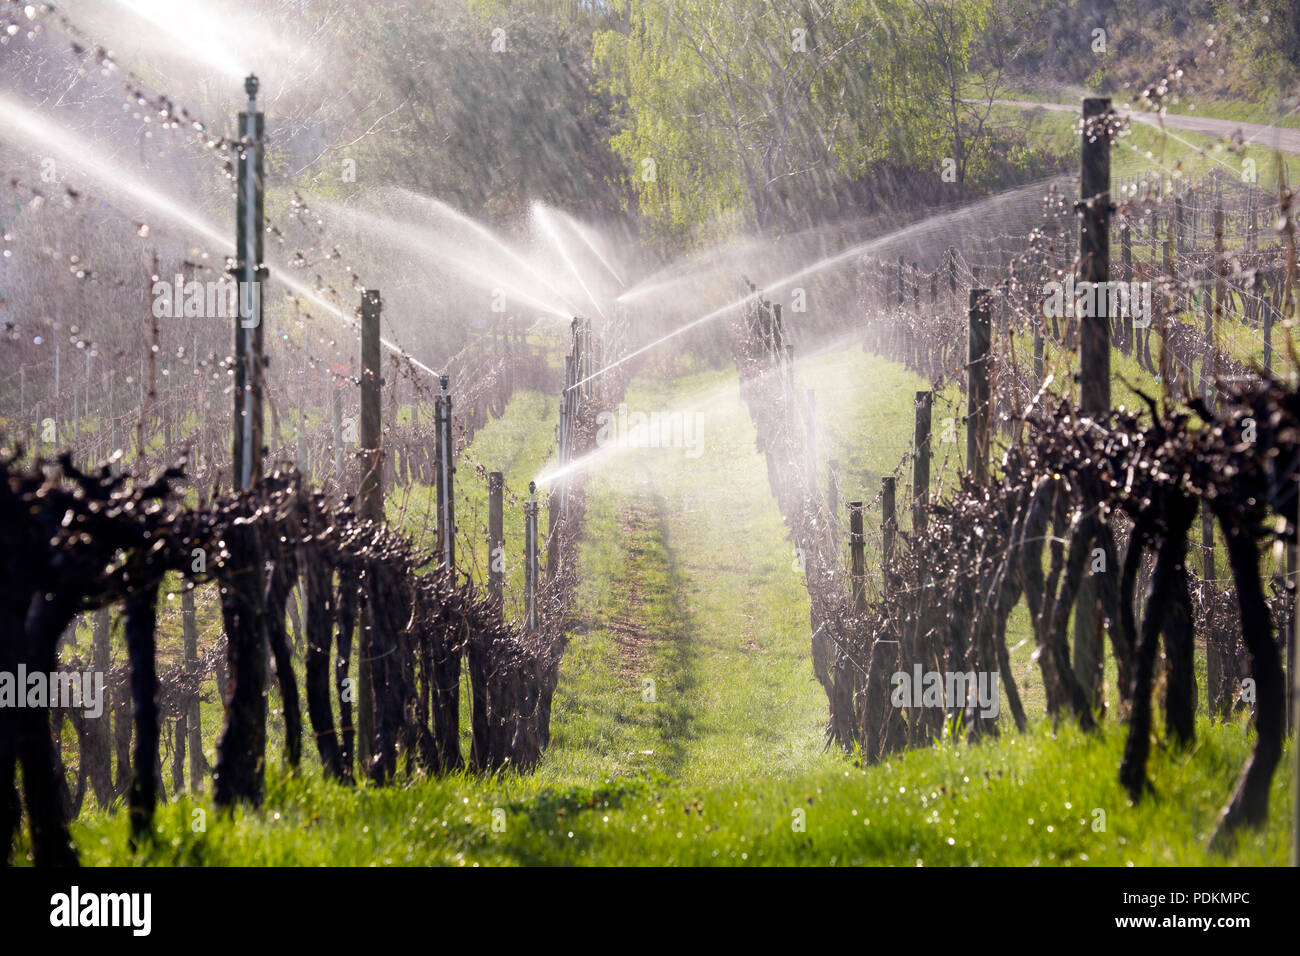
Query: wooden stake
(496, 536)
(1094, 262)
(1094, 357)
(888, 518)
(979, 342)
(530, 558)
(921, 461)
(446, 480)
(370, 504)
(858, 557)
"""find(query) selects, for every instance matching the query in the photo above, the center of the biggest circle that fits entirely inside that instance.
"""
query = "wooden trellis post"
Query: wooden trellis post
(370, 495)
(193, 720)
(249, 368)
(888, 519)
(921, 461)
(446, 479)
(858, 557)
(530, 558)
(496, 537)
(979, 343)
(1094, 354)
(1126, 260)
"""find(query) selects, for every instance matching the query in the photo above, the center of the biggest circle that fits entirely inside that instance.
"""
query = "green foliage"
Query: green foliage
(492, 107)
(1242, 49)
(1032, 800)
(760, 114)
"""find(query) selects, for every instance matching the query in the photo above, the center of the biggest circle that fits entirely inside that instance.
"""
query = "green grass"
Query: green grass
(689, 582)
(1244, 112)
(1028, 800)
(1200, 105)
(1145, 148)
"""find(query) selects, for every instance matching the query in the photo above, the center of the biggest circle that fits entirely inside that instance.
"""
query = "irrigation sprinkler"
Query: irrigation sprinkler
(249, 369)
(530, 557)
(447, 468)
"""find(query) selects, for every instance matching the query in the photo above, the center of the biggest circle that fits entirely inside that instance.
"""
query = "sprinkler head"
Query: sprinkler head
(442, 382)
(532, 487)
(250, 85)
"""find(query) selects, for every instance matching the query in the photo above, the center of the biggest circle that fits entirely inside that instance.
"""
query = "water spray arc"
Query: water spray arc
(495, 242)
(585, 235)
(82, 155)
(826, 262)
(543, 218)
(427, 244)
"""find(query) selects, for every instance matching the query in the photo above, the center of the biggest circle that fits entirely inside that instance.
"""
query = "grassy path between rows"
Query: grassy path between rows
(694, 662)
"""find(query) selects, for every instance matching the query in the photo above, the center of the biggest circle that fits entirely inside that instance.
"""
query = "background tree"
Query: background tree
(974, 45)
(751, 114)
